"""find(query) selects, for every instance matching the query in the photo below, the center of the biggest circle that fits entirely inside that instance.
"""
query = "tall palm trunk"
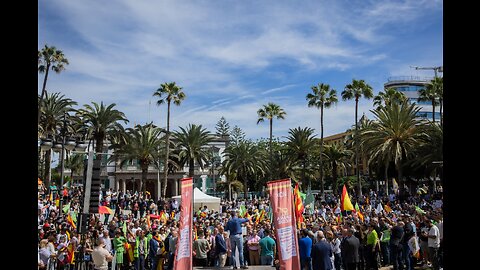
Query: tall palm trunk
(335, 177)
(271, 150)
(165, 164)
(356, 149)
(386, 178)
(245, 190)
(441, 115)
(433, 109)
(322, 188)
(43, 92)
(143, 182)
(48, 160)
(191, 167)
(400, 179)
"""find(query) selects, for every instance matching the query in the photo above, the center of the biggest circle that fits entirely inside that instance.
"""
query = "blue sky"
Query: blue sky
(231, 57)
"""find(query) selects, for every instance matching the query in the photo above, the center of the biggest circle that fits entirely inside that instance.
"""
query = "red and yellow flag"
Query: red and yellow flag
(70, 221)
(260, 217)
(387, 208)
(345, 203)
(298, 205)
(70, 253)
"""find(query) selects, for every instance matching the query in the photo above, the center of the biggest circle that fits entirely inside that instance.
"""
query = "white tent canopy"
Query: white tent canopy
(200, 199)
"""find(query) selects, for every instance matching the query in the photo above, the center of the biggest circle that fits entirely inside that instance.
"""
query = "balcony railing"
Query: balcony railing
(409, 79)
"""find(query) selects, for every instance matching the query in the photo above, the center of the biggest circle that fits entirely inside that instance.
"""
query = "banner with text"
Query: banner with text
(183, 253)
(281, 202)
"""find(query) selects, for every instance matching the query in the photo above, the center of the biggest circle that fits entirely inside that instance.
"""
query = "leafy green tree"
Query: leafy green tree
(300, 144)
(49, 58)
(393, 136)
(322, 97)
(237, 135)
(102, 122)
(51, 121)
(168, 93)
(222, 128)
(142, 144)
(386, 98)
(337, 157)
(192, 143)
(243, 159)
(432, 93)
(356, 90)
(270, 111)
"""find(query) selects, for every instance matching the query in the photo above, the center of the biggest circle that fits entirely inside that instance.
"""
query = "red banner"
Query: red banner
(281, 202)
(183, 253)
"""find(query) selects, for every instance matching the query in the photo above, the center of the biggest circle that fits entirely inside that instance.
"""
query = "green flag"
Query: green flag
(309, 200)
(243, 210)
(73, 214)
(419, 210)
(65, 208)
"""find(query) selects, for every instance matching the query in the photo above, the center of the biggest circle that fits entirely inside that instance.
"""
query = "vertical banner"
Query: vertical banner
(281, 202)
(183, 253)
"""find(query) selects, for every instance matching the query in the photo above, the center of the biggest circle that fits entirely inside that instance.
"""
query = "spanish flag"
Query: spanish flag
(298, 205)
(345, 203)
(387, 208)
(70, 221)
(260, 217)
(70, 254)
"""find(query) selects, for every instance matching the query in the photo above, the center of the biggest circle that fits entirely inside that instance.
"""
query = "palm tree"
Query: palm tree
(49, 58)
(356, 90)
(322, 97)
(245, 159)
(431, 93)
(300, 143)
(337, 157)
(55, 107)
(192, 143)
(429, 154)
(167, 93)
(390, 95)
(102, 122)
(270, 111)
(76, 164)
(142, 145)
(394, 135)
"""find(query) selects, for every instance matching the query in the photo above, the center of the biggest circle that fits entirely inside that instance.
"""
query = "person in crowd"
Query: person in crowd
(100, 255)
(305, 244)
(200, 248)
(321, 253)
(267, 248)
(236, 241)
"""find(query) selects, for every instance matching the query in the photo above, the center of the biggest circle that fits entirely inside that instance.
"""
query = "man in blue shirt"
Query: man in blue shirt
(236, 240)
(305, 248)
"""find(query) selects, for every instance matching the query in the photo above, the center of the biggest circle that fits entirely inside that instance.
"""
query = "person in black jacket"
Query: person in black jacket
(396, 245)
(350, 246)
(408, 233)
(321, 253)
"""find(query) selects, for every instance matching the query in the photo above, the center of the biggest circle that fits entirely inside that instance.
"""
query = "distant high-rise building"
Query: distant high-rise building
(410, 86)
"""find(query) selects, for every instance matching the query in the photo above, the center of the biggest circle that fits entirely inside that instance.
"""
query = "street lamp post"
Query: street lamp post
(214, 163)
(70, 145)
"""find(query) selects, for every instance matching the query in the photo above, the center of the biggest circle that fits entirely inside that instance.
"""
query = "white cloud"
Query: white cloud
(230, 57)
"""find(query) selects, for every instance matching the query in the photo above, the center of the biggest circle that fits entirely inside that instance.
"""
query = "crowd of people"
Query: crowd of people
(141, 233)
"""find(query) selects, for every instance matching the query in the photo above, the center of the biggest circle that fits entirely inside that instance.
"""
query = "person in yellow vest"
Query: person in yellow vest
(141, 250)
(373, 246)
(119, 246)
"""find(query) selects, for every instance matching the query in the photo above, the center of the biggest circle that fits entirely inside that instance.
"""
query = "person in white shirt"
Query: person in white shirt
(101, 256)
(433, 243)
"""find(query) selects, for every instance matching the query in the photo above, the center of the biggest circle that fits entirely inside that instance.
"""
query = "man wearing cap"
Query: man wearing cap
(433, 243)
(235, 228)
(101, 256)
